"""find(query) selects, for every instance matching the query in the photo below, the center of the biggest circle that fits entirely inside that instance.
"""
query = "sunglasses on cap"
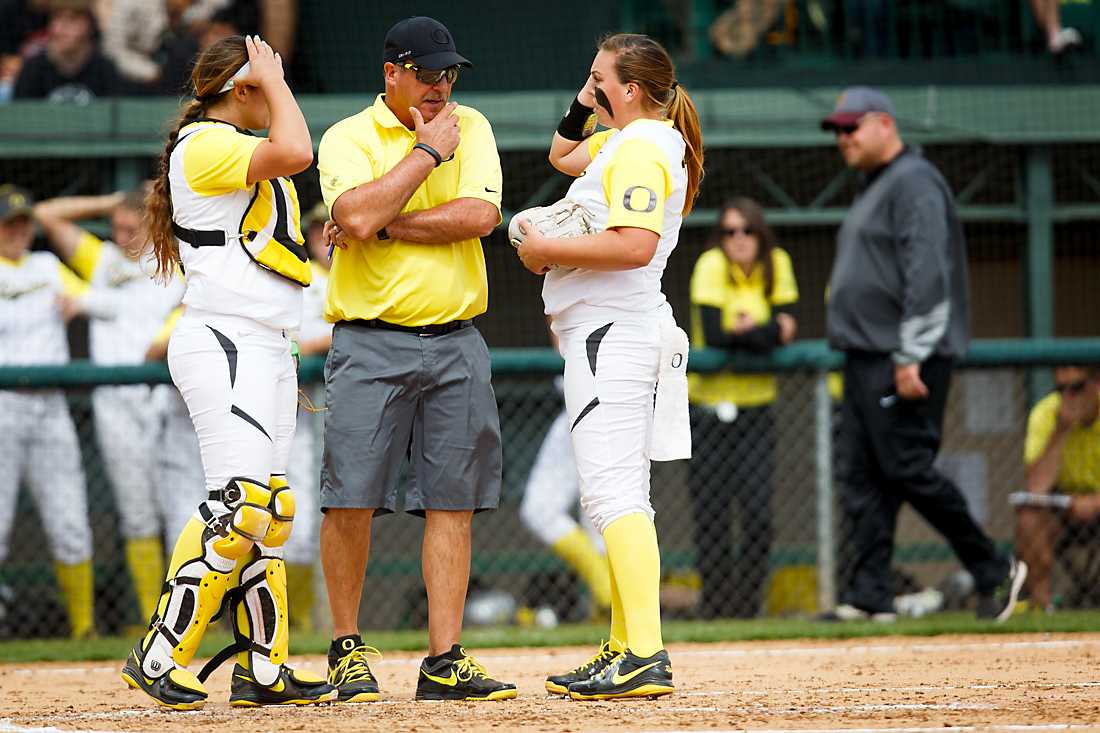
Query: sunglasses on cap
(433, 76)
(734, 231)
(1071, 387)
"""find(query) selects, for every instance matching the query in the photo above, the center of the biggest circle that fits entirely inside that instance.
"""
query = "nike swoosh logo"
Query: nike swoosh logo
(449, 681)
(619, 679)
(489, 190)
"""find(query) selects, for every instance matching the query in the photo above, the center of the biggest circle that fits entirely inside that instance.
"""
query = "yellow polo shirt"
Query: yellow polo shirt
(718, 283)
(403, 282)
(1080, 469)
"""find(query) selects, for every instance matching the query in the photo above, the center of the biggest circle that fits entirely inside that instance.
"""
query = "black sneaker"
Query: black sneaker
(1000, 604)
(628, 676)
(559, 684)
(291, 687)
(348, 671)
(455, 675)
(176, 688)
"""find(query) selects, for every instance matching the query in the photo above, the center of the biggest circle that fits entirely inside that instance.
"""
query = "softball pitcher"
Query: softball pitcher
(38, 442)
(223, 212)
(126, 308)
(625, 357)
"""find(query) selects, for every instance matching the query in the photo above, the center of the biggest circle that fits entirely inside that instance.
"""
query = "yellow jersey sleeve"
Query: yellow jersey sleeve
(1040, 426)
(216, 160)
(597, 141)
(636, 183)
(784, 288)
(86, 257)
(479, 162)
(70, 283)
(710, 279)
(343, 163)
(168, 326)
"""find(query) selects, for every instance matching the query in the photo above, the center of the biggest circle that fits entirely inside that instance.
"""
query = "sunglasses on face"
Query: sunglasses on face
(1071, 387)
(734, 231)
(433, 76)
(851, 129)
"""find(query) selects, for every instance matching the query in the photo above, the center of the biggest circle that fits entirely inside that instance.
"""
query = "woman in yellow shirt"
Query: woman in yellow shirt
(742, 290)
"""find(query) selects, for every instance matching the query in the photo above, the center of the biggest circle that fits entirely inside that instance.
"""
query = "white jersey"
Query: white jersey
(32, 330)
(207, 175)
(127, 306)
(314, 325)
(637, 178)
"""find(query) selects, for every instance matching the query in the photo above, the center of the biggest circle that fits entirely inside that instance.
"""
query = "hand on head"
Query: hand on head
(264, 63)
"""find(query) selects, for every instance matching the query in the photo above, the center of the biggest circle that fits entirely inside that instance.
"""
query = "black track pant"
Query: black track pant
(887, 448)
(732, 463)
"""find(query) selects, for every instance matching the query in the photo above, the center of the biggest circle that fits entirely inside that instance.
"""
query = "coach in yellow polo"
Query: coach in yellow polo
(412, 183)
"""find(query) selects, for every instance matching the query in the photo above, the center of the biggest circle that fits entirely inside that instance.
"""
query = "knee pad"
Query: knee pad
(281, 507)
(227, 527)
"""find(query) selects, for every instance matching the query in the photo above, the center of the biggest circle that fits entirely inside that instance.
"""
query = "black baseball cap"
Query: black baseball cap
(854, 103)
(14, 201)
(422, 41)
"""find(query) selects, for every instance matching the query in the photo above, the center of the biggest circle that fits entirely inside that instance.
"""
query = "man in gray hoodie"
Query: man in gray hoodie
(899, 310)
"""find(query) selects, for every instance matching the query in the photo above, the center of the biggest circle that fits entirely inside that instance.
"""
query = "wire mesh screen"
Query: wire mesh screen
(738, 522)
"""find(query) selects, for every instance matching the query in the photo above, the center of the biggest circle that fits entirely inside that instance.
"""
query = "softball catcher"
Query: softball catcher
(223, 212)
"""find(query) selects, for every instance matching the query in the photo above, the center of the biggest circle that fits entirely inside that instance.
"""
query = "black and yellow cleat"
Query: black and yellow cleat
(177, 688)
(455, 675)
(628, 676)
(348, 671)
(291, 687)
(559, 684)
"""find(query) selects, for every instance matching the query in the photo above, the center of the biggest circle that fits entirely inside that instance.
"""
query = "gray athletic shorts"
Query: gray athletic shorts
(393, 396)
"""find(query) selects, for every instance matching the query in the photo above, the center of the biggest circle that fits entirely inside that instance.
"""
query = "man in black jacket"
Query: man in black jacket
(899, 310)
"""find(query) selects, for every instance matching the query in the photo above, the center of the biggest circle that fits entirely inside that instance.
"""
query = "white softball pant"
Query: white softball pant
(180, 484)
(553, 488)
(38, 443)
(610, 377)
(238, 379)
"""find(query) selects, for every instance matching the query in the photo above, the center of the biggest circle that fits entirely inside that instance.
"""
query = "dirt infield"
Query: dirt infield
(1019, 683)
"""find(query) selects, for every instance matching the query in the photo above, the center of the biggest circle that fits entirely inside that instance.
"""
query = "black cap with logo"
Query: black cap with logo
(422, 41)
(14, 201)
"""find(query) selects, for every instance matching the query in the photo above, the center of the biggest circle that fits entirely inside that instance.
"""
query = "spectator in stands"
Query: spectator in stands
(132, 38)
(71, 67)
(22, 31)
(38, 442)
(1059, 38)
(899, 309)
(126, 308)
(303, 471)
(1062, 456)
(742, 290)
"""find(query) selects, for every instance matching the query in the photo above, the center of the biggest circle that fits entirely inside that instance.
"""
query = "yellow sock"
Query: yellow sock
(578, 552)
(299, 585)
(617, 639)
(145, 558)
(76, 586)
(636, 562)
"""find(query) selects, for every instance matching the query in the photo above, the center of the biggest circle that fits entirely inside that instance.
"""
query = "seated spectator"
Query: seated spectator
(132, 38)
(741, 293)
(70, 68)
(1062, 455)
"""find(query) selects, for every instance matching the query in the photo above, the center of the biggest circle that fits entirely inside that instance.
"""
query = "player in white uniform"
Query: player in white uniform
(223, 212)
(126, 308)
(625, 358)
(38, 442)
(314, 338)
(549, 499)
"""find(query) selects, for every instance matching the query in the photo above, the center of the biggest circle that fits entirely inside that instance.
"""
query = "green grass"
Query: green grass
(116, 648)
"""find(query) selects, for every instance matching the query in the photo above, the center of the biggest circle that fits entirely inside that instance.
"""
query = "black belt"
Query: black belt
(430, 329)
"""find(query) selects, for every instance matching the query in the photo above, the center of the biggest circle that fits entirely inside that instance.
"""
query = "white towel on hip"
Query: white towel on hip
(670, 438)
